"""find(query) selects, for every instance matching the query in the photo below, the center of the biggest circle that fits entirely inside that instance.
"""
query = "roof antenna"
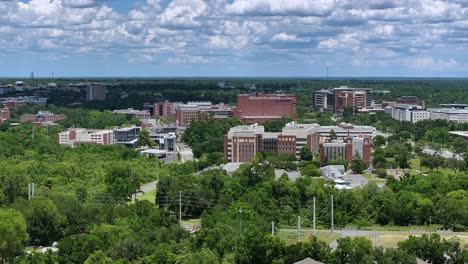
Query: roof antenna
(328, 81)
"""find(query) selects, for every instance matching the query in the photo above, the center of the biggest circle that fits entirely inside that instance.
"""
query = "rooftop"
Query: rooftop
(247, 129)
(448, 110)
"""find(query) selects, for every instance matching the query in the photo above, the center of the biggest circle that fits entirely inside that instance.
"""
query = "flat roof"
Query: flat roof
(459, 133)
(448, 110)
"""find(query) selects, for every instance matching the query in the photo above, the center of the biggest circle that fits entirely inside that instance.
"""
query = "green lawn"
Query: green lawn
(290, 236)
(415, 168)
(148, 196)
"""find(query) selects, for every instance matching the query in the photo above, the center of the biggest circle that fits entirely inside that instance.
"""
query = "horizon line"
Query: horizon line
(234, 77)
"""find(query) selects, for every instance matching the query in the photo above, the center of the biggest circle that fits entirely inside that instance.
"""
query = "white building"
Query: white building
(77, 136)
(347, 130)
(415, 113)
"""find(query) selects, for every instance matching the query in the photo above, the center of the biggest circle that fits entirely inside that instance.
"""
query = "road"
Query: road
(147, 188)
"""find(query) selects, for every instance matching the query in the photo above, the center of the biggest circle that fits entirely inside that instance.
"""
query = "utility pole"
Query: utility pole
(272, 228)
(314, 217)
(332, 214)
(29, 192)
(430, 223)
(298, 228)
(180, 207)
(157, 169)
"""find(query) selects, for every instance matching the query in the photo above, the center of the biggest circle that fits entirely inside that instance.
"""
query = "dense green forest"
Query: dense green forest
(134, 93)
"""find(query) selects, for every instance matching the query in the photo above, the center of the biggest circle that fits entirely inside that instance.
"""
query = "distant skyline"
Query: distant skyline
(234, 38)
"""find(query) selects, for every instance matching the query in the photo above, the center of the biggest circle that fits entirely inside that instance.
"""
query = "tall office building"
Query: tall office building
(257, 108)
(337, 99)
(96, 92)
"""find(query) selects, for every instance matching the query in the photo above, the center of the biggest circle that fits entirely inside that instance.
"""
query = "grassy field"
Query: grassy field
(385, 239)
(415, 168)
(290, 236)
(148, 196)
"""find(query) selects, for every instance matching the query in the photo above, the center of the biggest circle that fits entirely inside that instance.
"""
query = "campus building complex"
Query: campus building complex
(337, 99)
(77, 136)
(415, 113)
(20, 101)
(242, 143)
(183, 114)
(41, 118)
(257, 108)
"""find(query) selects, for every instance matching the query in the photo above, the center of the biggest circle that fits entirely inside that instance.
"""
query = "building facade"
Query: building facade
(141, 115)
(5, 114)
(17, 102)
(42, 117)
(77, 136)
(347, 149)
(242, 143)
(340, 98)
(183, 114)
(344, 130)
(96, 92)
(415, 113)
(257, 108)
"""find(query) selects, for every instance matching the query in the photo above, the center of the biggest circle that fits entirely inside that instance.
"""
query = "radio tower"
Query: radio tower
(33, 81)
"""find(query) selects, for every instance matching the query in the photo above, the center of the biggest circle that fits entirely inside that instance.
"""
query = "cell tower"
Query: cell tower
(33, 80)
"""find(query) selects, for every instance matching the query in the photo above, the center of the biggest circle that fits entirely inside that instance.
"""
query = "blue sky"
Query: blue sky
(272, 38)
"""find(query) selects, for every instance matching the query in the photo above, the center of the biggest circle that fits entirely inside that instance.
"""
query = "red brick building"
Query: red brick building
(347, 149)
(242, 143)
(183, 114)
(42, 117)
(257, 108)
(163, 109)
(5, 114)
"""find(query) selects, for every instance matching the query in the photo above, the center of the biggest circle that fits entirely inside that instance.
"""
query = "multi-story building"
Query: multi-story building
(449, 114)
(77, 136)
(96, 92)
(163, 109)
(17, 102)
(166, 141)
(257, 108)
(324, 100)
(5, 114)
(42, 117)
(344, 130)
(242, 143)
(404, 100)
(415, 113)
(127, 136)
(142, 115)
(347, 149)
(337, 99)
(183, 114)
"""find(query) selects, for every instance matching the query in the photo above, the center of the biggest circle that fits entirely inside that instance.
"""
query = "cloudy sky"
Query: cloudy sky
(403, 38)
